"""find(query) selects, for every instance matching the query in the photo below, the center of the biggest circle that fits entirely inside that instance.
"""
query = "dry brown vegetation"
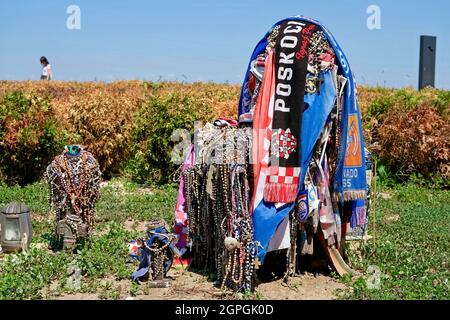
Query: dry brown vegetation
(406, 128)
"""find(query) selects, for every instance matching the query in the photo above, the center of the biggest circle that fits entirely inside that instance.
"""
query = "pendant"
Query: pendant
(231, 243)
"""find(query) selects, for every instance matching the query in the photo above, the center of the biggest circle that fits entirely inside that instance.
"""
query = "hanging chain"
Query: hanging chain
(217, 204)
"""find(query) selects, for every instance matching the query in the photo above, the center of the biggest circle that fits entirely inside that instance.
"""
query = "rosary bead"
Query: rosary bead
(224, 212)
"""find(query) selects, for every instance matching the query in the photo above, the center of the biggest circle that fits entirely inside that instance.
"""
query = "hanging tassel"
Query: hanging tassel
(280, 192)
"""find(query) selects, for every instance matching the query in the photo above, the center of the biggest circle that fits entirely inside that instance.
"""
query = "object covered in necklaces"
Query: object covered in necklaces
(217, 201)
(74, 182)
(329, 101)
(155, 252)
(299, 101)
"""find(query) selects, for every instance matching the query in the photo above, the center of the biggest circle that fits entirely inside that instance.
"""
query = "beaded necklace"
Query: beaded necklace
(74, 183)
(217, 204)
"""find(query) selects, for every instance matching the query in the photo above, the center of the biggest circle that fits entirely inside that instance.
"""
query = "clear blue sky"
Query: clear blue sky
(210, 40)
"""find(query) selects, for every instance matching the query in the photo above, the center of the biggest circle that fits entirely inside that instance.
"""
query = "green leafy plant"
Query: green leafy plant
(127, 125)
(410, 251)
(42, 273)
(151, 138)
(29, 137)
(384, 176)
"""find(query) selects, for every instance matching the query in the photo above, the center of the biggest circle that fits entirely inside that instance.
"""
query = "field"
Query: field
(411, 250)
(128, 126)
(411, 246)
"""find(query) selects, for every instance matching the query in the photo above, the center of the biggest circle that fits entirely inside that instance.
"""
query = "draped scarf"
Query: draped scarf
(291, 60)
(349, 180)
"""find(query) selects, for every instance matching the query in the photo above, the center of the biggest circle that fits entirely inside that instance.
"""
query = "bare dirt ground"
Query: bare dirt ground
(187, 285)
(304, 287)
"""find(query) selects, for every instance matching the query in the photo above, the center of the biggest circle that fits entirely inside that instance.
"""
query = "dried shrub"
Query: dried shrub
(416, 141)
(377, 102)
(99, 114)
(103, 119)
(221, 98)
(104, 116)
(29, 137)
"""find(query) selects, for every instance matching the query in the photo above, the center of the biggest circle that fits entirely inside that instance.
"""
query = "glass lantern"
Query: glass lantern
(15, 227)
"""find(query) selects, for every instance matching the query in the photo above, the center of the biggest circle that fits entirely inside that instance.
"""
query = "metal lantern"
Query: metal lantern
(15, 227)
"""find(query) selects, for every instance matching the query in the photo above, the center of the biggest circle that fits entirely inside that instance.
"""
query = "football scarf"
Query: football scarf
(291, 60)
(349, 180)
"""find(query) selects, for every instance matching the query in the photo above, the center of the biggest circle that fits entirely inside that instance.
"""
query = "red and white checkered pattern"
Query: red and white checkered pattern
(284, 175)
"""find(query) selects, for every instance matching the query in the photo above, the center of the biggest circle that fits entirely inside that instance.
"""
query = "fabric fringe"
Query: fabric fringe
(280, 192)
(349, 195)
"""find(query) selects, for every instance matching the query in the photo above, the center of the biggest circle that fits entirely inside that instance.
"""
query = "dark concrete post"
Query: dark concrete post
(427, 61)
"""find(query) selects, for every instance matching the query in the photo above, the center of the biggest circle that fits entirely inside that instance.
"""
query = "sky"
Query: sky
(201, 40)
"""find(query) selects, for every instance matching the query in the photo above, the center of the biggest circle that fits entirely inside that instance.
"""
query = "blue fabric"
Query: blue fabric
(350, 107)
(144, 265)
(314, 119)
(358, 217)
(266, 219)
(146, 257)
(245, 97)
(266, 216)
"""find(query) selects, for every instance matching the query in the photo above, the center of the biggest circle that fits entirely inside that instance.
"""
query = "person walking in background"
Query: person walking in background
(46, 69)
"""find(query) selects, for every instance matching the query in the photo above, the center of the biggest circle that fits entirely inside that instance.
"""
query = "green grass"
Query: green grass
(128, 201)
(40, 273)
(411, 247)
